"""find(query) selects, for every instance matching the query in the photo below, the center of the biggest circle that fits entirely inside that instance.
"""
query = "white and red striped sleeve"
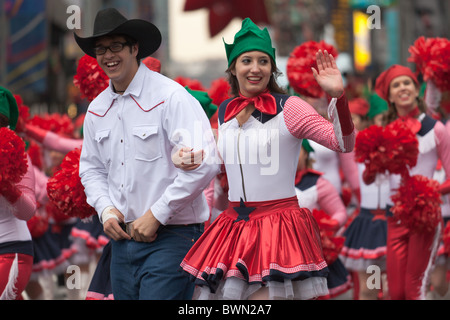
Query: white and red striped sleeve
(303, 122)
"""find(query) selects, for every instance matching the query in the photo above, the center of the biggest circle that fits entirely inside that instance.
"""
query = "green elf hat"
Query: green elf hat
(205, 101)
(307, 146)
(249, 38)
(8, 107)
(377, 105)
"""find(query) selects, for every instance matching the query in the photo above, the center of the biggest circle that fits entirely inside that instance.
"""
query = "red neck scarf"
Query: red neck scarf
(411, 120)
(264, 102)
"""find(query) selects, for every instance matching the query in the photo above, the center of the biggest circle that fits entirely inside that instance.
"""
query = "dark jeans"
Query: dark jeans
(151, 271)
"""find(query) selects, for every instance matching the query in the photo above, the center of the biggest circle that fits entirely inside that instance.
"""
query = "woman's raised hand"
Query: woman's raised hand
(328, 75)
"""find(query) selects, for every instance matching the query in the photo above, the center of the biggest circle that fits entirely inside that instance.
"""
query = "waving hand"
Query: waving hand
(328, 75)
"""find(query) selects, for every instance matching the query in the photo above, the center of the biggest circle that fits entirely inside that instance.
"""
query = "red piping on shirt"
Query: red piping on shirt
(148, 109)
(98, 115)
(105, 112)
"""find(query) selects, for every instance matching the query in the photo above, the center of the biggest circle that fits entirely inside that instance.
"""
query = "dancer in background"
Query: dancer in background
(17, 205)
(365, 237)
(319, 196)
(439, 105)
(411, 254)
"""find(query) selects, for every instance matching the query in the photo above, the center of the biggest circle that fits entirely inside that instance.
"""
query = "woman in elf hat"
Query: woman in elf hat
(17, 204)
(264, 245)
(410, 253)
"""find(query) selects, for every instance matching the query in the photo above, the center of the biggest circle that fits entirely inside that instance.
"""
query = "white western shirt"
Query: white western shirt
(126, 155)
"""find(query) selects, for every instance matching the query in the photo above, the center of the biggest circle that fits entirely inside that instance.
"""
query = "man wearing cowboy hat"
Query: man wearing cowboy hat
(152, 211)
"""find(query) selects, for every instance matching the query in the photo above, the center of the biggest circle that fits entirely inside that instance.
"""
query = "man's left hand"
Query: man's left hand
(144, 228)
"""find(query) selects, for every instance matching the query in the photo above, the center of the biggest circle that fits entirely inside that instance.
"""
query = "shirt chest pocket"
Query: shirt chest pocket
(146, 143)
(103, 140)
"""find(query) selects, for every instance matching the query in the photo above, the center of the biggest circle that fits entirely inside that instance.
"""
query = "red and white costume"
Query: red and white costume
(331, 163)
(365, 237)
(16, 249)
(264, 238)
(316, 192)
(410, 255)
(321, 196)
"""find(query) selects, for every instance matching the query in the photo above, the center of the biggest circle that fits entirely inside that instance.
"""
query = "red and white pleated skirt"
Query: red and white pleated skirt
(254, 244)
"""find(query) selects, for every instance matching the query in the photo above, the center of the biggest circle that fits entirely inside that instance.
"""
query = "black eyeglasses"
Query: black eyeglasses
(114, 47)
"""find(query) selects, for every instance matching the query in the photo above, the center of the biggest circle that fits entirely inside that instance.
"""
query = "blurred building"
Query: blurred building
(38, 56)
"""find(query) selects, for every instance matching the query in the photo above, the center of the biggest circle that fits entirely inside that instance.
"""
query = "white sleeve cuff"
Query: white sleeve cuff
(108, 214)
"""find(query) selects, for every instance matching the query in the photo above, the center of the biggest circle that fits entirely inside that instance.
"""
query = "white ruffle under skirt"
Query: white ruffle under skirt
(236, 289)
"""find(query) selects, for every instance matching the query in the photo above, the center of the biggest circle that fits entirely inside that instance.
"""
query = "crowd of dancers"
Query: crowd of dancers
(366, 225)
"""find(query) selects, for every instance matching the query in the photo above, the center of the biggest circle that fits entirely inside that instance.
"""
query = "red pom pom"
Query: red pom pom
(346, 195)
(24, 114)
(331, 245)
(65, 190)
(190, 83)
(60, 124)
(90, 78)
(54, 212)
(13, 164)
(446, 238)
(35, 153)
(152, 63)
(402, 146)
(37, 225)
(219, 91)
(417, 203)
(393, 149)
(370, 149)
(324, 221)
(431, 58)
(299, 65)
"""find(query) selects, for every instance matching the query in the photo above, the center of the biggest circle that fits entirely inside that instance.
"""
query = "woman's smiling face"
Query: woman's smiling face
(403, 93)
(253, 71)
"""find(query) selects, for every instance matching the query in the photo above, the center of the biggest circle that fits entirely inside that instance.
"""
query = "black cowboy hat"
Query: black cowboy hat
(110, 21)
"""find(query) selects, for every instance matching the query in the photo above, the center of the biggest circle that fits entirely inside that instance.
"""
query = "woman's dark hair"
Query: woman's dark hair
(272, 85)
(392, 114)
(4, 121)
